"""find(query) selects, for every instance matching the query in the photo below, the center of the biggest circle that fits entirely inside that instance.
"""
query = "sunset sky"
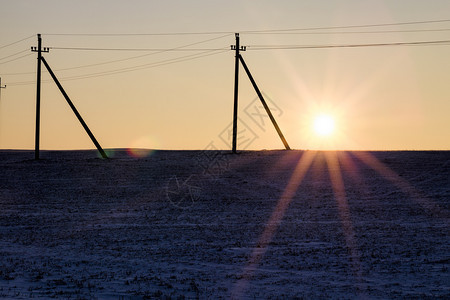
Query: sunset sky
(160, 74)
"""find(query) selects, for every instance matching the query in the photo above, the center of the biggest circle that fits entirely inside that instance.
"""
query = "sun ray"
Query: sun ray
(337, 182)
(389, 174)
(336, 163)
(349, 167)
(274, 221)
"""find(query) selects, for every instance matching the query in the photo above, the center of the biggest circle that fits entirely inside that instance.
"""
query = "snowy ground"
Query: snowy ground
(207, 224)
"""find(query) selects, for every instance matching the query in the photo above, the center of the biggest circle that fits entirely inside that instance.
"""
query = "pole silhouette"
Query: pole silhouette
(237, 48)
(77, 114)
(266, 107)
(1, 87)
(39, 51)
(40, 59)
(240, 59)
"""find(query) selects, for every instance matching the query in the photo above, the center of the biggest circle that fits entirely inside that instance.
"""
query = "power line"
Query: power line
(135, 49)
(264, 47)
(18, 73)
(251, 47)
(20, 52)
(140, 34)
(253, 31)
(346, 27)
(220, 50)
(133, 57)
(130, 69)
(179, 48)
(29, 82)
(144, 55)
(269, 47)
(363, 32)
(17, 58)
(144, 66)
(99, 64)
(287, 47)
(4, 46)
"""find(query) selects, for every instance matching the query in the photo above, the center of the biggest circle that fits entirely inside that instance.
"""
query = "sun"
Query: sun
(324, 125)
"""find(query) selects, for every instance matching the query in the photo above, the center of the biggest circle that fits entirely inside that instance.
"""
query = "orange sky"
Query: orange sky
(381, 98)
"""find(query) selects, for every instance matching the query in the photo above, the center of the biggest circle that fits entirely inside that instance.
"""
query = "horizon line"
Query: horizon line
(243, 150)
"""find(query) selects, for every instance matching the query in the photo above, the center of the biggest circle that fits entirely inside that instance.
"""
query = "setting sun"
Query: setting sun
(324, 125)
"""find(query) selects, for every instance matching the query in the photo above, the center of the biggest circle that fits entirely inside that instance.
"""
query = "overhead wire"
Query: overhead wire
(254, 47)
(17, 53)
(130, 69)
(140, 34)
(178, 48)
(133, 49)
(29, 82)
(271, 47)
(346, 26)
(288, 47)
(253, 31)
(133, 57)
(361, 32)
(212, 51)
(14, 59)
(156, 51)
(16, 42)
(145, 66)
(250, 47)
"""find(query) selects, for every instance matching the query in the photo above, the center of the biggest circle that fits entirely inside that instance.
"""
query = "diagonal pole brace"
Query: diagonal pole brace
(266, 107)
(88, 131)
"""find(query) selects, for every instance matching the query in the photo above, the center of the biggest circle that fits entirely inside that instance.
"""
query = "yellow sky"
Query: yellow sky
(381, 98)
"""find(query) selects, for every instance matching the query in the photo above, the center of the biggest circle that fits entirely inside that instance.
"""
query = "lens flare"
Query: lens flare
(142, 147)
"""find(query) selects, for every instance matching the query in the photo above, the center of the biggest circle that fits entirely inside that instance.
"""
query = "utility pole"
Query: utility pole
(237, 48)
(240, 59)
(41, 59)
(39, 50)
(1, 87)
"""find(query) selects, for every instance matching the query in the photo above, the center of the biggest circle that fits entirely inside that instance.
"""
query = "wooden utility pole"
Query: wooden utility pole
(41, 59)
(237, 48)
(1, 87)
(39, 50)
(240, 59)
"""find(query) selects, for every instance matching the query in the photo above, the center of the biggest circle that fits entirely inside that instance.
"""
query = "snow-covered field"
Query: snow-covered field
(208, 224)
